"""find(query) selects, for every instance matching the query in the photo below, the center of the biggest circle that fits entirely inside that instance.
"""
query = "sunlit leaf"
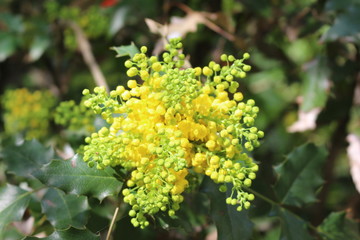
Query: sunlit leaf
(126, 50)
(13, 203)
(300, 175)
(230, 223)
(38, 47)
(24, 159)
(68, 234)
(337, 226)
(65, 210)
(316, 85)
(75, 177)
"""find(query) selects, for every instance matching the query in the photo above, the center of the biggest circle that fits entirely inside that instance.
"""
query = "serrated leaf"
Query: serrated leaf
(337, 226)
(71, 233)
(126, 50)
(300, 175)
(316, 85)
(65, 210)
(13, 203)
(75, 177)
(230, 223)
(292, 227)
(24, 159)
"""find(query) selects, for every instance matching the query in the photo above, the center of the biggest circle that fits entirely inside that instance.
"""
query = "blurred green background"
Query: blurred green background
(305, 78)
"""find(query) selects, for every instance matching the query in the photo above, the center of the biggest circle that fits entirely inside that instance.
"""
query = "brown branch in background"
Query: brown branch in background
(205, 20)
(85, 49)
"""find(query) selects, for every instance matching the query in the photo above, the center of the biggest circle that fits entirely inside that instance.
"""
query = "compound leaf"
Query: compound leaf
(71, 233)
(300, 175)
(13, 203)
(75, 177)
(230, 223)
(65, 210)
(24, 159)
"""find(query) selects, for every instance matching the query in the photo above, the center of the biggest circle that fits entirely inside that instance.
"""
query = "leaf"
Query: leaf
(118, 20)
(292, 227)
(64, 211)
(126, 50)
(71, 233)
(13, 203)
(315, 86)
(230, 223)
(38, 47)
(299, 175)
(337, 226)
(346, 24)
(7, 45)
(75, 177)
(353, 152)
(24, 159)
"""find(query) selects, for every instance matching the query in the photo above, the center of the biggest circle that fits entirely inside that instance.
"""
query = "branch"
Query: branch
(85, 49)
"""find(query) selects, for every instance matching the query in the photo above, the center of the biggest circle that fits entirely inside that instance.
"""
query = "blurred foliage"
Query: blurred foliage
(305, 78)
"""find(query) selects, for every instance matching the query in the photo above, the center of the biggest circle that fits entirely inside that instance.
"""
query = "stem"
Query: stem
(112, 223)
(259, 195)
(85, 49)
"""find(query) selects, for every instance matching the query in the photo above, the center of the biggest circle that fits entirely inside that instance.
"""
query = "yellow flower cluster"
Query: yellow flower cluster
(27, 113)
(172, 122)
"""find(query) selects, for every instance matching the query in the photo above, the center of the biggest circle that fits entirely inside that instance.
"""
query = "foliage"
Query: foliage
(304, 80)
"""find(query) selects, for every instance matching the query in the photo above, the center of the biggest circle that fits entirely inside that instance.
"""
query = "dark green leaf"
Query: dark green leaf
(292, 227)
(24, 159)
(7, 45)
(63, 210)
(69, 234)
(126, 50)
(337, 226)
(300, 175)
(13, 203)
(346, 24)
(315, 85)
(230, 223)
(74, 176)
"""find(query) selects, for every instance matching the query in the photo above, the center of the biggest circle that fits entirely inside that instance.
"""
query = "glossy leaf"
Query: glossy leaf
(337, 226)
(68, 234)
(7, 45)
(24, 159)
(346, 24)
(13, 203)
(38, 47)
(300, 175)
(75, 177)
(292, 227)
(65, 210)
(230, 223)
(316, 85)
(126, 50)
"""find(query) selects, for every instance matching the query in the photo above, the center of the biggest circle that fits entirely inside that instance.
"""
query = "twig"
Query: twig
(85, 49)
(112, 223)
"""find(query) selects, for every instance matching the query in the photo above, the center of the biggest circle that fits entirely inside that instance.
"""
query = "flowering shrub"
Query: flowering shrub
(173, 122)
(27, 112)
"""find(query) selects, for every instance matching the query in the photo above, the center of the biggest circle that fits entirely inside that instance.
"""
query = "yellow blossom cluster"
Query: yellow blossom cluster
(27, 113)
(170, 122)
